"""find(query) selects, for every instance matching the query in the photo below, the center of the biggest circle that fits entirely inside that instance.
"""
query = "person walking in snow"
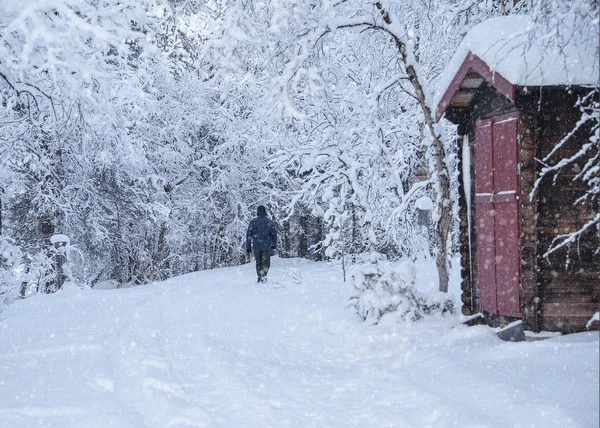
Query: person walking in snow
(262, 238)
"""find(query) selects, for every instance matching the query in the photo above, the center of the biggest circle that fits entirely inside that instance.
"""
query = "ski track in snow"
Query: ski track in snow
(213, 349)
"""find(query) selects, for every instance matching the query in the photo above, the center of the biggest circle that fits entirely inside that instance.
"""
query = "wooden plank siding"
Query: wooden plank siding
(568, 281)
(567, 323)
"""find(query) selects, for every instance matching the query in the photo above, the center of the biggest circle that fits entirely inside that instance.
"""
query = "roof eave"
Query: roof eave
(474, 63)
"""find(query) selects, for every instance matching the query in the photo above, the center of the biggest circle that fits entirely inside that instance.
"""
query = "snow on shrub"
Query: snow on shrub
(48, 270)
(10, 259)
(381, 287)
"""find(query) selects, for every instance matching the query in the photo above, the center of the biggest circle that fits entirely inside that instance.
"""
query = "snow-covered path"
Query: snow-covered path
(213, 349)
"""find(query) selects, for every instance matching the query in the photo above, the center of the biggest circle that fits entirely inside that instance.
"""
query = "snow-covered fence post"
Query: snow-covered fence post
(59, 248)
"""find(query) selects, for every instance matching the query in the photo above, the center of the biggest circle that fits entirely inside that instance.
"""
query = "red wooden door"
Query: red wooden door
(497, 215)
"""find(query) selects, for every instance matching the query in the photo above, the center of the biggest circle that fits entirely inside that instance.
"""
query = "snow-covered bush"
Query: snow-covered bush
(10, 259)
(48, 269)
(38, 275)
(381, 287)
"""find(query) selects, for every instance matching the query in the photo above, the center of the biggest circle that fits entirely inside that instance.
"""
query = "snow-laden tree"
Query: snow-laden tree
(128, 131)
(238, 63)
(149, 131)
(357, 88)
(357, 147)
(76, 76)
(356, 144)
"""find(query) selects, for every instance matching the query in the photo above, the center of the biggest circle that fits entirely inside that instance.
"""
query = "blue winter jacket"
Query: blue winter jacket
(261, 234)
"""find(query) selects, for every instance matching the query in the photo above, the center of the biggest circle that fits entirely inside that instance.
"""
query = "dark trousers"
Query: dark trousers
(263, 263)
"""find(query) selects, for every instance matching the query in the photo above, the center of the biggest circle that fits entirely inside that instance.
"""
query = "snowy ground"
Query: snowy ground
(214, 349)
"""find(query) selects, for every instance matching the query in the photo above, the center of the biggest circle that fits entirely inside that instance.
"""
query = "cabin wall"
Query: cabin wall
(566, 283)
(560, 292)
(528, 137)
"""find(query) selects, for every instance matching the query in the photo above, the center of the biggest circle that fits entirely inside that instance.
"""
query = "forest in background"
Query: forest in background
(139, 136)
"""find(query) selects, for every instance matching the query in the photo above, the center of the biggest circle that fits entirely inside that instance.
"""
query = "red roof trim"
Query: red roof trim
(473, 62)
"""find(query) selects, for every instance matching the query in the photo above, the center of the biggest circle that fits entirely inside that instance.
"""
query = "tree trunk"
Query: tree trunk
(302, 236)
(161, 256)
(444, 203)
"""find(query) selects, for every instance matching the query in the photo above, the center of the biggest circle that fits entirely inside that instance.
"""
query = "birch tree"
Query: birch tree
(322, 25)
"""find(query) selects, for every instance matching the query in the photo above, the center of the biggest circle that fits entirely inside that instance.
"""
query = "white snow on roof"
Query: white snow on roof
(527, 54)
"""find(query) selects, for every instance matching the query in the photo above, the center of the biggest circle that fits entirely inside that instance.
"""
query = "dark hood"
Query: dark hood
(261, 211)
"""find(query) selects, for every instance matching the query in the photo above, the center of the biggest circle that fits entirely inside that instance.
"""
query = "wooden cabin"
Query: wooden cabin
(509, 116)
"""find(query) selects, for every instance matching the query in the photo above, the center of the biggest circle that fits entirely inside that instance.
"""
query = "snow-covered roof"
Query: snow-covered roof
(527, 54)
